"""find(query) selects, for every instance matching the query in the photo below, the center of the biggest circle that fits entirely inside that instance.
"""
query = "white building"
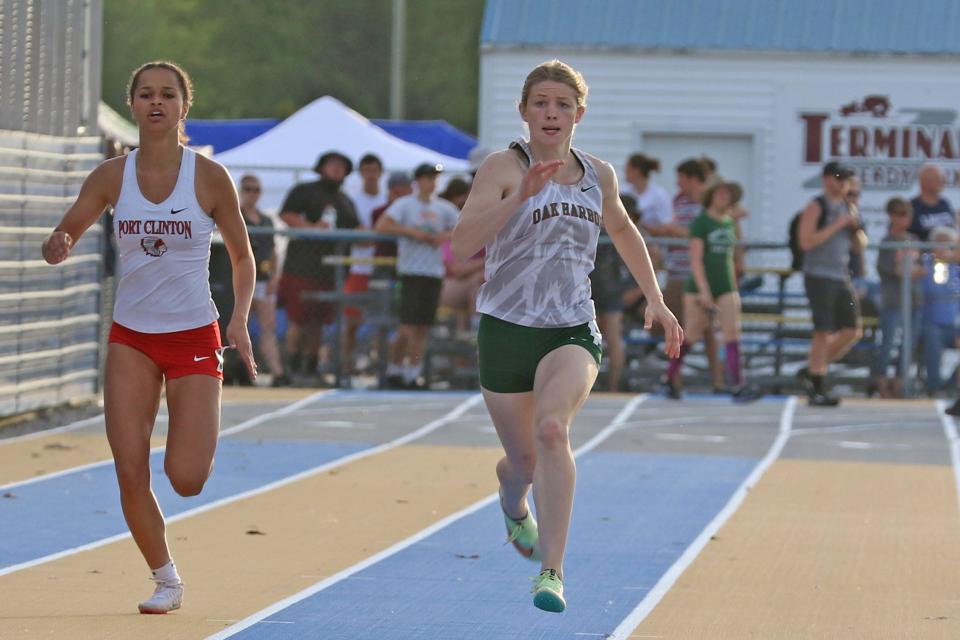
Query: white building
(771, 90)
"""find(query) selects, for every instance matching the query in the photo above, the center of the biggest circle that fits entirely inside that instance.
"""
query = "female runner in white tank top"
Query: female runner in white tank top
(536, 208)
(166, 200)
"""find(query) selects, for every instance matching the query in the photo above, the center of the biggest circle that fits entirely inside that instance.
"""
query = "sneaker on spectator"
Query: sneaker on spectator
(396, 382)
(417, 384)
(806, 381)
(954, 409)
(746, 393)
(823, 400)
(282, 380)
(671, 388)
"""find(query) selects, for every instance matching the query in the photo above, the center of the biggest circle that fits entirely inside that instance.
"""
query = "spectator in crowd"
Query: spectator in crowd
(930, 208)
(462, 278)
(653, 202)
(456, 192)
(424, 222)
(608, 286)
(711, 288)
(890, 268)
(265, 290)
(366, 199)
(826, 238)
(710, 175)
(476, 157)
(687, 205)
(940, 290)
(399, 184)
(319, 205)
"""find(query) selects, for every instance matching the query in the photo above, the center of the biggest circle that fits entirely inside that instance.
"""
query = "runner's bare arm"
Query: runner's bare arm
(98, 191)
(499, 190)
(631, 247)
(226, 213)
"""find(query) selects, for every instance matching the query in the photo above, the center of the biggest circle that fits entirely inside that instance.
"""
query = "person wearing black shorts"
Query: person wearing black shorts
(423, 222)
(608, 286)
(827, 238)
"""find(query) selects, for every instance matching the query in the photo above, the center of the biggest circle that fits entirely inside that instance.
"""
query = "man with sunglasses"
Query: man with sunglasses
(265, 290)
(829, 229)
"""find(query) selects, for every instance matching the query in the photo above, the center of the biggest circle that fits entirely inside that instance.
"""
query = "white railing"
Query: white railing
(49, 315)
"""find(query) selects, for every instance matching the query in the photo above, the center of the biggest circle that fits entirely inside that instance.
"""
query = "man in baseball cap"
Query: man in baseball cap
(837, 170)
(427, 169)
(829, 229)
(422, 223)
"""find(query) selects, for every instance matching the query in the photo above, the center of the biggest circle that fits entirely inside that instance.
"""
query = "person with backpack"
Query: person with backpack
(827, 230)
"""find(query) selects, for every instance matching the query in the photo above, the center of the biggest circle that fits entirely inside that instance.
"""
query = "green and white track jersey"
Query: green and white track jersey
(537, 266)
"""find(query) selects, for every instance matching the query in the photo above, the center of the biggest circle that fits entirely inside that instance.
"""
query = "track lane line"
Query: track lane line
(659, 590)
(619, 420)
(430, 427)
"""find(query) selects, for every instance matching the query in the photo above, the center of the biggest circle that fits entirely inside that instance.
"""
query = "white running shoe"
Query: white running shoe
(166, 597)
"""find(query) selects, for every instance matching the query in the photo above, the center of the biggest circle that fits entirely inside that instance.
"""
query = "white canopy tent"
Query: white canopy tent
(287, 153)
(116, 127)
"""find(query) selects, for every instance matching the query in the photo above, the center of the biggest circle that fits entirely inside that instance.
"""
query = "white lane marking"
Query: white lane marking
(243, 426)
(341, 424)
(683, 421)
(857, 444)
(847, 428)
(667, 580)
(259, 616)
(688, 437)
(430, 427)
(79, 424)
(368, 408)
(950, 431)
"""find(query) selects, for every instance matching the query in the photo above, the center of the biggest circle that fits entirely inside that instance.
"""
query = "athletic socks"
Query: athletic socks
(166, 574)
(673, 366)
(734, 369)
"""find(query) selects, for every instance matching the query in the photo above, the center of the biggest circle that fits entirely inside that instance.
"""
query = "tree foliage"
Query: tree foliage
(258, 59)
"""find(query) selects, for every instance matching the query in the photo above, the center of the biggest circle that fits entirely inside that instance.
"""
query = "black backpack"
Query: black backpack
(796, 253)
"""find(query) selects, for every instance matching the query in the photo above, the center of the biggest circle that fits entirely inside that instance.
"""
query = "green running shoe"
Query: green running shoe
(548, 592)
(523, 534)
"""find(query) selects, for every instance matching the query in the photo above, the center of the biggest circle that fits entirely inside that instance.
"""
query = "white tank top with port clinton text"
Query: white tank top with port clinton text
(164, 255)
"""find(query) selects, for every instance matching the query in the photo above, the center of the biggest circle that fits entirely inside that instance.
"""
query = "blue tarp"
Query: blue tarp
(227, 134)
(438, 135)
